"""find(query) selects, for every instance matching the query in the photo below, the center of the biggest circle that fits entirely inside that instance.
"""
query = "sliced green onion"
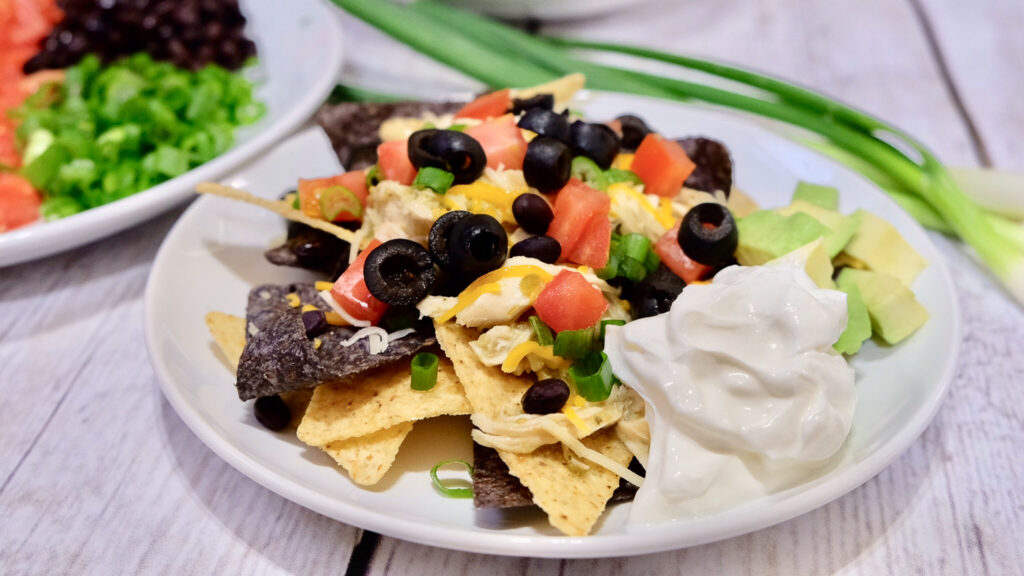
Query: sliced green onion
(424, 371)
(458, 127)
(613, 175)
(434, 179)
(589, 173)
(652, 261)
(373, 176)
(450, 491)
(593, 377)
(541, 331)
(635, 246)
(574, 343)
(296, 204)
(611, 269)
(610, 322)
(632, 269)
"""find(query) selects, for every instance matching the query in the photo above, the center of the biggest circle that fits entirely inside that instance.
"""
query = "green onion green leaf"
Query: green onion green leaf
(424, 371)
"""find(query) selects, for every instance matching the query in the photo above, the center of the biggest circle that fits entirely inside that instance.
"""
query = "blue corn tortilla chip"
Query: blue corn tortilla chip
(278, 357)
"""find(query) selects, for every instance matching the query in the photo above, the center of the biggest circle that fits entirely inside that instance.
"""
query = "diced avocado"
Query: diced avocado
(765, 235)
(825, 197)
(842, 227)
(894, 311)
(814, 260)
(879, 246)
(858, 323)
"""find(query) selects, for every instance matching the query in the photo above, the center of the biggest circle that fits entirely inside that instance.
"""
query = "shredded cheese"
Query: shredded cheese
(335, 319)
(467, 297)
(588, 454)
(516, 355)
(663, 218)
(573, 417)
(309, 308)
(326, 296)
(317, 343)
(376, 338)
(321, 285)
(400, 334)
(623, 161)
(293, 300)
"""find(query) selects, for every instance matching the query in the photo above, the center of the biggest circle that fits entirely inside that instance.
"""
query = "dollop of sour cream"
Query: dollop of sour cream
(744, 392)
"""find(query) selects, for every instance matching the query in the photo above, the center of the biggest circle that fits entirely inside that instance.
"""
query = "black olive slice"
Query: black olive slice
(399, 272)
(477, 245)
(547, 165)
(595, 141)
(546, 123)
(440, 232)
(449, 150)
(708, 234)
(542, 101)
(634, 130)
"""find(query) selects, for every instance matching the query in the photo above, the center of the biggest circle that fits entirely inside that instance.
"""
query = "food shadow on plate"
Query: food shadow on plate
(248, 263)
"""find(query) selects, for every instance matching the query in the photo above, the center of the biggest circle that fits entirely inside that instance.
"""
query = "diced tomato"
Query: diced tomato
(19, 202)
(351, 293)
(662, 164)
(309, 193)
(577, 207)
(595, 244)
(393, 159)
(667, 248)
(487, 106)
(569, 302)
(502, 141)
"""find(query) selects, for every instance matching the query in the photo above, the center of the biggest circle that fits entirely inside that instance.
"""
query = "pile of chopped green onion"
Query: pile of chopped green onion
(500, 56)
(631, 257)
(110, 131)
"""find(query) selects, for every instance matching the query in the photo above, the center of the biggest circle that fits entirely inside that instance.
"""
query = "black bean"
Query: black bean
(532, 213)
(272, 412)
(315, 322)
(546, 397)
(543, 248)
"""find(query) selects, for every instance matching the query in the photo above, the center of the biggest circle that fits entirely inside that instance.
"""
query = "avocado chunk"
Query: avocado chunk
(894, 311)
(765, 235)
(881, 248)
(858, 323)
(841, 228)
(825, 197)
(814, 260)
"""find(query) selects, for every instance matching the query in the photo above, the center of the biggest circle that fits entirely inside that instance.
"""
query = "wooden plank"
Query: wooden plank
(114, 481)
(982, 45)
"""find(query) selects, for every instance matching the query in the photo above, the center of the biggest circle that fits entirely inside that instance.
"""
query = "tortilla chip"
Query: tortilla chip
(297, 401)
(572, 500)
(491, 392)
(368, 458)
(381, 400)
(229, 333)
(278, 357)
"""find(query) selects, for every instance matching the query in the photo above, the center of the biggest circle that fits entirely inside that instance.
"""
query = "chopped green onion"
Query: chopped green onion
(428, 126)
(541, 331)
(632, 269)
(610, 322)
(634, 246)
(433, 178)
(450, 491)
(613, 175)
(652, 262)
(458, 127)
(373, 176)
(574, 343)
(589, 173)
(424, 371)
(593, 377)
(611, 269)
(296, 204)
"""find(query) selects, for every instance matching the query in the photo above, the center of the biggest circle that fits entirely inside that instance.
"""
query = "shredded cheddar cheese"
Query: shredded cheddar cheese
(623, 161)
(293, 300)
(321, 286)
(466, 298)
(573, 417)
(335, 319)
(309, 308)
(662, 216)
(490, 283)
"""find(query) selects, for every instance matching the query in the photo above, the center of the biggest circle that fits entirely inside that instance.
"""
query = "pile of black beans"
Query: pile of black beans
(188, 33)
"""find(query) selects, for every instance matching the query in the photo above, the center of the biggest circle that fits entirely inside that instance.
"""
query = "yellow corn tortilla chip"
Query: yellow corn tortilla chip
(572, 500)
(368, 458)
(297, 401)
(229, 333)
(491, 392)
(382, 400)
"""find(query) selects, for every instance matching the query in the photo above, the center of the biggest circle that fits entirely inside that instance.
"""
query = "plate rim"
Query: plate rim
(42, 239)
(596, 545)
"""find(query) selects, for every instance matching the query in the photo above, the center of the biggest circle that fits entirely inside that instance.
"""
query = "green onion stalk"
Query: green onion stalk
(500, 56)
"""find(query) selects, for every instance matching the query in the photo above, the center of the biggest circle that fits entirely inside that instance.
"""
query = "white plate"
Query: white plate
(299, 46)
(213, 256)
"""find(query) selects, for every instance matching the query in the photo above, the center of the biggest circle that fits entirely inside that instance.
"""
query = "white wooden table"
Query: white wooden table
(99, 476)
